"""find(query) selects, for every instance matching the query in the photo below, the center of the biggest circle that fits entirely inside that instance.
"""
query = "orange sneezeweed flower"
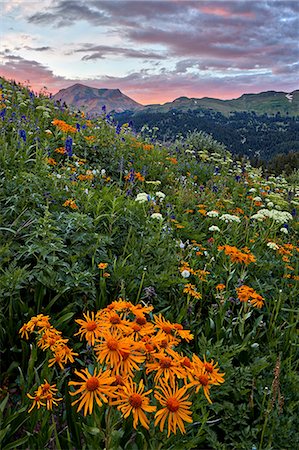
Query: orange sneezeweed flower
(248, 294)
(176, 407)
(45, 393)
(102, 266)
(165, 367)
(111, 348)
(220, 287)
(133, 400)
(95, 387)
(237, 255)
(90, 328)
(71, 203)
(190, 289)
(203, 375)
(63, 126)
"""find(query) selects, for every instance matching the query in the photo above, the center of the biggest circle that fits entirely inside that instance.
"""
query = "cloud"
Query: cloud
(38, 49)
(101, 51)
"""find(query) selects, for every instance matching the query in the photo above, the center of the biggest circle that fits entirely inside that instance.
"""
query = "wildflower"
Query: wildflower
(220, 287)
(64, 126)
(213, 213)
(185, 273)
(236, 255)
(111, 348)
(247, 294)
(165, 367)
(214, 228)
(176, 407)
(90, 328)
(133, 400)
(71, 203)
(230, 218)
(102, 266)
(160, 195)
(157, 216)
(51, 161)
(142, 197)
(272, 245)
(95, 387)
(190, 289)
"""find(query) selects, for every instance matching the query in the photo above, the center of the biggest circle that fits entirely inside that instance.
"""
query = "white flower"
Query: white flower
(185, 273)
(278, 216)
(58, 175)
(103, 172)
(230, 218)
(212, 213)
(157, 216)
(214, 228)
(142, 197)
(270, 204)
(284, 230)
(252, 190)
(273, 246)
(257, 199)
(161, 195)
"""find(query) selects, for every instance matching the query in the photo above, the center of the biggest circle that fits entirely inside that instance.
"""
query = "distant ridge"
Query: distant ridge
(92, 99)
(269, 102)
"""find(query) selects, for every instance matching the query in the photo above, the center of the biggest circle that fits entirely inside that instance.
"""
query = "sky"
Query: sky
(153, 51)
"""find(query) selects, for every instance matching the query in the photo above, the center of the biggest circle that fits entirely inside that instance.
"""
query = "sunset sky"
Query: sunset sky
(153, 51)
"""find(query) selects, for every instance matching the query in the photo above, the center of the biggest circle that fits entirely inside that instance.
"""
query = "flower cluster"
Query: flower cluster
(136, 366)
(247, 294)
(63, 126)
(236, 255)
(50, 338)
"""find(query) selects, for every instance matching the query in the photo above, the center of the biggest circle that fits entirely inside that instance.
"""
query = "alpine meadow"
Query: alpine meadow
(149, 292)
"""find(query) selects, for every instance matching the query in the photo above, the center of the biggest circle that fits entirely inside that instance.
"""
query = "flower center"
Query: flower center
(203, 379)
(209, 367)
(92, 384)
(186, 362)
(141, 320)
(115, 319)
(112, 344)
(167, 329)
(125, 355)
(135, 400)
(178, 326)
(165, 363)
(90, 326)
(136, 327)
(46, 387)
(172, 404)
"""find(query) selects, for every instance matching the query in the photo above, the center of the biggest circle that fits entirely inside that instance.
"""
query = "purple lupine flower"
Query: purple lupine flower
(69, 146)
(22, 134)
(104, 109)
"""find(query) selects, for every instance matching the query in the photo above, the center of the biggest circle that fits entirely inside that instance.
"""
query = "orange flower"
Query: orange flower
(63, 126)
(165, 367)
(133, 400)
(247, 294)
(176, 408)
(220, 287)
(204, 374)
(51, 161)
(111, 348)
(236, 255)
(95, 387)
(102, 266)
(90, 328)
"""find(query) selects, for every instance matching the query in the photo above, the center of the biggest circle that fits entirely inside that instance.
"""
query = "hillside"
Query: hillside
(270, 102)
(244, 133)
(148, 292)
(92, 100)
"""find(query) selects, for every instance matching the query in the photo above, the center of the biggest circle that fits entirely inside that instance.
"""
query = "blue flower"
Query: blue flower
(69, 146)
(22, 134)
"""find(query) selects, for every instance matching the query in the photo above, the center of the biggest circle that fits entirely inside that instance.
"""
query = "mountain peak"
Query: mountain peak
(93, 99)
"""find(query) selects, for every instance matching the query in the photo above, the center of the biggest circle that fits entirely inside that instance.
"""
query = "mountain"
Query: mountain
(92, 100)
(270, 102)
